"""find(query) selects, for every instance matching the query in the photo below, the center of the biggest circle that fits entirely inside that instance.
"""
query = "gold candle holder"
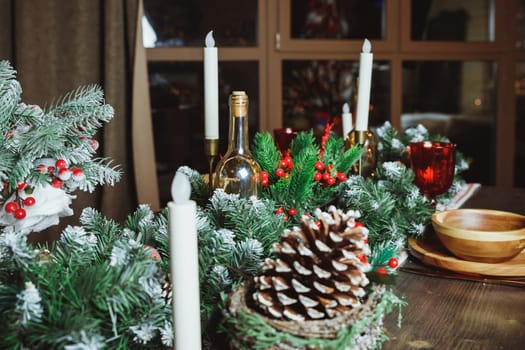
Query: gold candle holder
(211, 150)
(366, 165)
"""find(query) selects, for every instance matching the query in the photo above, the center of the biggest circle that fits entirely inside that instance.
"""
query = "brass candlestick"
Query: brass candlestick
(366, 165)
(211, 150)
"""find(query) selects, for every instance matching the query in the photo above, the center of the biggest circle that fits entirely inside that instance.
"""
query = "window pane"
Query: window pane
(177, 104)
(315, 91)
(451, 20)
(519, 162)
(456, 99)
(186, 23)
(328, 19)
(520, 22)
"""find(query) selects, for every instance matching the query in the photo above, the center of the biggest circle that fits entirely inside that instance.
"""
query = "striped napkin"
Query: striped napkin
(461, 196)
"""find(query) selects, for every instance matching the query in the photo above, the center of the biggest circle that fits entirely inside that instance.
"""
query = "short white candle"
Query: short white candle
(363, 90)
(182, 228)
(347, 120)
(211, 89)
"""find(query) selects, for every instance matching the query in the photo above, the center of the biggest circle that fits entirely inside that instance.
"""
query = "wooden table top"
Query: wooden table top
(445, 313)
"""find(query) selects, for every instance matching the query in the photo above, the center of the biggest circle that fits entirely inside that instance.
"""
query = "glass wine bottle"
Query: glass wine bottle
(238, 172)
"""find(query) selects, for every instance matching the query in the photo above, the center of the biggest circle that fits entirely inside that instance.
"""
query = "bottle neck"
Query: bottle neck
(238, 135)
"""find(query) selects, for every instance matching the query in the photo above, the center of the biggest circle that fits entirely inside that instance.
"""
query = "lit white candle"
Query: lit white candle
(363, 90)
(182, 228)
(347, 120)
(211, 89)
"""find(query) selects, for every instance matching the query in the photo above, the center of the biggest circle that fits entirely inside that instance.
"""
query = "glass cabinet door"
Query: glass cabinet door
(340, 25)
(174, 32)
(182, 23)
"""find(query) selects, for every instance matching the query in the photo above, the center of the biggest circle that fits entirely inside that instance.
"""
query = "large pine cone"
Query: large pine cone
(319, 271)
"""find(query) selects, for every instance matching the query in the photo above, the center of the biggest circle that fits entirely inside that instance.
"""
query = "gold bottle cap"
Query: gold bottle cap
(239, 103)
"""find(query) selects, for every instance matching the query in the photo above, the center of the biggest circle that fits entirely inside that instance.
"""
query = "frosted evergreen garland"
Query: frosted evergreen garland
(105, 285)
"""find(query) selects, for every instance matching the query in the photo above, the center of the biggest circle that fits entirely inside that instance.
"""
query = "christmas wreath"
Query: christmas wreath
(106, 285)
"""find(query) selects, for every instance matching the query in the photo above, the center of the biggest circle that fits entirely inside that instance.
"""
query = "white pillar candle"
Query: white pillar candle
(347, 120)
(182, 228)
(363, 90)
(211, 89)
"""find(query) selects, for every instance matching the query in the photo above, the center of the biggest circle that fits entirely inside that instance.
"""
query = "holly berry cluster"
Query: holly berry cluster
(283, 171)
(393, 263)
(59, 172)
(326, 175)
(16, 207)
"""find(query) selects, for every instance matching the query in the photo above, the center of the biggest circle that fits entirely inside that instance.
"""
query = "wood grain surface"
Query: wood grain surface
(444, 313)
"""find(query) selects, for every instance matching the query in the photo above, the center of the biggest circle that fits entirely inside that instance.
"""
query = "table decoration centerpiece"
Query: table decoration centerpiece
(107, 285)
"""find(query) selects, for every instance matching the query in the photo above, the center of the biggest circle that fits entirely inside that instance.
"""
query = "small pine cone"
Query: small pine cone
(318, 271)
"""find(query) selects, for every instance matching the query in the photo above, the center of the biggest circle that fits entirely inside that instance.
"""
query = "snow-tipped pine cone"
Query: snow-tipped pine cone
(319, 269)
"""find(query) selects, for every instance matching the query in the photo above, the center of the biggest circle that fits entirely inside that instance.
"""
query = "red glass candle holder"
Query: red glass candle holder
(283, 137)
(433, 165)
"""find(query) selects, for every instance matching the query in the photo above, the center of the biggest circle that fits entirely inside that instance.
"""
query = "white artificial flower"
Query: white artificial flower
(144, 332)
(28, 303)
(93, 342)
(51, 204)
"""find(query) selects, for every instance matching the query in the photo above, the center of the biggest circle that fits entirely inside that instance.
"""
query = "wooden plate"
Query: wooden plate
(429, 250)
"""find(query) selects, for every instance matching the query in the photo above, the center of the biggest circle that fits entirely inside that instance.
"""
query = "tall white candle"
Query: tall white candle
(211, 89)
(182, 228)
(347, 120)
(363, 90)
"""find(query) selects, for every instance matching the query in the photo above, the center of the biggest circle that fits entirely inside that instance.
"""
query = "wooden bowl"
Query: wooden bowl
(482, 235)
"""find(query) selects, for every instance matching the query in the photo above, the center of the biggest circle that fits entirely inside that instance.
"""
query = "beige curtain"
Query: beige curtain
(58, 45)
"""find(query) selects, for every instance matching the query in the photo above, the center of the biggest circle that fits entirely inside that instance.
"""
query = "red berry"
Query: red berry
(292, 211)
(20, 213)
(29, 201)
(326, 176)
(61, 163)
(341, 177)
(362, 258)
(283, 164)
(280, 172)
(319, 165)
(279, 211)
(50, 169)
(286, 218)
(264, 175)
(10, 207)
(393, 263)
(382, 271)
(264, 182)
(288, 161)
(56, 183)
(330, 181)
(21, 185)
(78, 174)
(64, 174)
(318, 176)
